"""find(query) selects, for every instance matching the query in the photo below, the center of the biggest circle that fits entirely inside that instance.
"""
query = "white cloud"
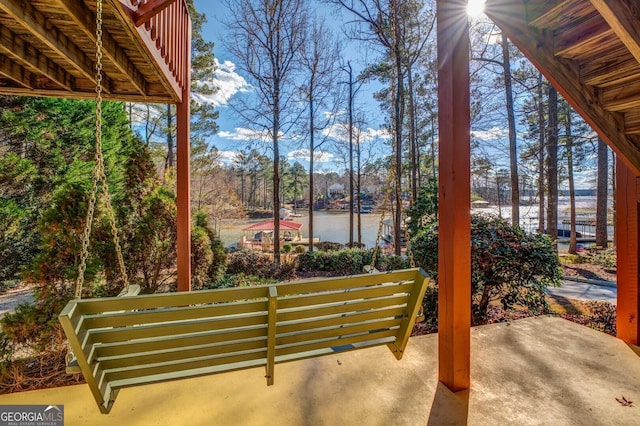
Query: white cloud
(227, 157)
(340, 132)
(492, 134)
(228, 83)
(304, 154)
(247, 135)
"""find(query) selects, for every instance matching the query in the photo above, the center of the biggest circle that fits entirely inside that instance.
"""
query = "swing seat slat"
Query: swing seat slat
(129, 341)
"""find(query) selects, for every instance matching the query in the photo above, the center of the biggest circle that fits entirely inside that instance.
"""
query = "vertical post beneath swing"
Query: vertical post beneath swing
(454, 248)
(628, 259)
(183, 170)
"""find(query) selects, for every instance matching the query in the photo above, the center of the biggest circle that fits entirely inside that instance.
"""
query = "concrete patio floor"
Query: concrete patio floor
(535, 371)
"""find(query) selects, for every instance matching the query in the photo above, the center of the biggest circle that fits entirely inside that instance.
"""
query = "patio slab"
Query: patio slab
(535, 371)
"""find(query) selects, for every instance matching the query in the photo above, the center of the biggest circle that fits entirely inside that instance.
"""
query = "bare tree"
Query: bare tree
(380, 22)
(541, 157)
(552, 166)
(601, 200)
(354, 86)
(572, 187)
(513, 154)
(417, 26)
(319, 58)
(266, 37)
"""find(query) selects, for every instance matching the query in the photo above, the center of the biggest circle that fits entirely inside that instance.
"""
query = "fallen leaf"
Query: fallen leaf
(625, 402)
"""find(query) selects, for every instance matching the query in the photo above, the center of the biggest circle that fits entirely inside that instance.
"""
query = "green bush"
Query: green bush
(606, 258)
(287, 248)
(300, 249)
(602, 316)
(250, 262)
(201, 257)
(430, 309)
(328, 245)
(506, 264)
(425, 209)
(208, 256)
(239, 280)
(347, 261)
(572, 259)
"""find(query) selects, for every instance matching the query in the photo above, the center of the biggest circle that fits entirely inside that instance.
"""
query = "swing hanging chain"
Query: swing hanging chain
(99, 176)
(385, 203)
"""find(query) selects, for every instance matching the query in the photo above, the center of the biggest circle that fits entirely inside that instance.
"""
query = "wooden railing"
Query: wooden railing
(169, 26)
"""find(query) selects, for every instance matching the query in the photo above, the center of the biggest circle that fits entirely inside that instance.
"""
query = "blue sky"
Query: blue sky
(232, 136)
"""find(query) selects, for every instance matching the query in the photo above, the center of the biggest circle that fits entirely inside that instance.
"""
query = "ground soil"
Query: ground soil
(11, 297)
(590, 271)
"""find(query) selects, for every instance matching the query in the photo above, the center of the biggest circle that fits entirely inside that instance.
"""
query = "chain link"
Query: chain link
(99, 176)
(385, 204)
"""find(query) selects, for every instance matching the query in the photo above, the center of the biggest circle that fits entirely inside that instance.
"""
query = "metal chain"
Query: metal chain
(99, 175)
(407, 238)
(409, 251)
(385, 203)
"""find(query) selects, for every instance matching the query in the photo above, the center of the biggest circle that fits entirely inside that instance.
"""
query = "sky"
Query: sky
(232, 136)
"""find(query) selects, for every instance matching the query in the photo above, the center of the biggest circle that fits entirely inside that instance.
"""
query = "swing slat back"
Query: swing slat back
(129, 341)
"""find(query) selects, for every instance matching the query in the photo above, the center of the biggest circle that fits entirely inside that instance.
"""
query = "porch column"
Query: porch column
(183, 174)
(627, 238)
(454, 250)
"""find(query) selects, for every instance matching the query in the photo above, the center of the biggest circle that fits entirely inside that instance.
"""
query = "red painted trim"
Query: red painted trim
(627, 240)
(150, 9)
(183, 175)
(454, 251)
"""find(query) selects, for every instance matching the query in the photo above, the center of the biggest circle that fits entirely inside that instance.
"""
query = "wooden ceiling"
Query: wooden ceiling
(590, 51)
(48, 48)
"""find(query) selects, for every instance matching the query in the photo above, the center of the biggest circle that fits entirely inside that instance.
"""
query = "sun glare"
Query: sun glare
(475, 8)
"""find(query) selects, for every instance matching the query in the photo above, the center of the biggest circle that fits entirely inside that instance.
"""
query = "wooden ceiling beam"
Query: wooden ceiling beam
(14, 72)
(550, 12)
(622, 17)
(90, 94)
(22, 52)
(632, 122)
(86, 21)
(623, 97)
(511, 17)
(42, 29)
(570, 44)
(610, 71)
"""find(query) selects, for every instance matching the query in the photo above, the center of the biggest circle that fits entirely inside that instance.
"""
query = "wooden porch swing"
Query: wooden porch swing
(127, 341)
(133, 340)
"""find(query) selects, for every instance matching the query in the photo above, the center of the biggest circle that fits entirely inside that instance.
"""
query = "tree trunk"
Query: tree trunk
(513, 152)
(399, 116)
(601, 202)
(552, 167)
(350, 155)
(311, 154)
(613, 195)
(572, 188)
(276, 184)
(413, 137)
(541, 158)
(358, 192)
(499, 197)
(170, 144)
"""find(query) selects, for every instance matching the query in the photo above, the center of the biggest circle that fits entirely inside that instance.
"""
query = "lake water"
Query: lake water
(334, 226)
(328, 226)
